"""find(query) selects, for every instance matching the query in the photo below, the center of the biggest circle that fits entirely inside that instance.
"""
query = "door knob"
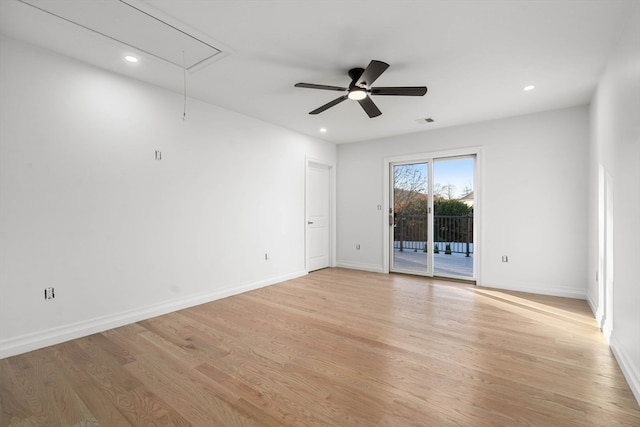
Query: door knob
(309, 222)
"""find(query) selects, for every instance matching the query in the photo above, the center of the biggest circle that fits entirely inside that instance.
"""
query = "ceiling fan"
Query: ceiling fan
(360, 89)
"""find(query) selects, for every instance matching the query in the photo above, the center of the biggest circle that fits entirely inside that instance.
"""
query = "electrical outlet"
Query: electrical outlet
(505, 258)
(358, 246)
(266, 256)
(48, 293)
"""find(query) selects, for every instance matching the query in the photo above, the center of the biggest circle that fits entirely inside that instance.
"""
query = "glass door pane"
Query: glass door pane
(453, 202)
(409, 223)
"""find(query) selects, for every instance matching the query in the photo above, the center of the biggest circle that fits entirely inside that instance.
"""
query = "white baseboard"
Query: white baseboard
(556, 292)
(33, 341)
(592, 305)
(629, 370)
(596, 309)
(360, 266)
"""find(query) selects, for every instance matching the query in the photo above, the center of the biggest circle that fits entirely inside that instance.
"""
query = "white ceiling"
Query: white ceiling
(475, 56)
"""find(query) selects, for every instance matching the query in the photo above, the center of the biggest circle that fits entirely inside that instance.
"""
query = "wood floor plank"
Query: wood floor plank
(103, 411)
(13, 400)
(335, 348)
(202, 399)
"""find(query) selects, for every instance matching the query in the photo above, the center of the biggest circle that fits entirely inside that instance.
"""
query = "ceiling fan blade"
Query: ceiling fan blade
(371, 73)
(328, 105)
(400, 91)
(369, 107)
(324, 87)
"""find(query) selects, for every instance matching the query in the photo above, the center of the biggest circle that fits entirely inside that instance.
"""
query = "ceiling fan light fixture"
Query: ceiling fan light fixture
(357, 94)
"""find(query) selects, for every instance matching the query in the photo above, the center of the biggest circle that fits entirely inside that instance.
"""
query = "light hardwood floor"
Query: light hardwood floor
(334, 348)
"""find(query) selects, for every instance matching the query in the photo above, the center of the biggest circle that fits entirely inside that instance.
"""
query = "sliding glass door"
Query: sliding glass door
(431, 219)
(453, 201)
(409, 220)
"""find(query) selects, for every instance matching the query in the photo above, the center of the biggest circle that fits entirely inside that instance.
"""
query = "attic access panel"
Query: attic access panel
(127, 23)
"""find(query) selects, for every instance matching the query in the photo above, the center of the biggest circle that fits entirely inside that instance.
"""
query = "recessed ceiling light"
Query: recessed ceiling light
(528, 88)
(323, 130)
(131, 59)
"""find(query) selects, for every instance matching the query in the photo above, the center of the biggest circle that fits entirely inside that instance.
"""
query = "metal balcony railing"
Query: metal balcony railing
(452, 234)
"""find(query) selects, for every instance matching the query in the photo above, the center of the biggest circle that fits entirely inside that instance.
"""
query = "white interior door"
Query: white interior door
(604, 276)
(318, 216)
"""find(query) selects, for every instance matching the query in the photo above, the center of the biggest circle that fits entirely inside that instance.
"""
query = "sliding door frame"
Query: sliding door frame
(430, 156)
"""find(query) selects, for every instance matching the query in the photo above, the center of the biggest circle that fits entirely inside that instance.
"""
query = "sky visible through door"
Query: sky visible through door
(455, 174)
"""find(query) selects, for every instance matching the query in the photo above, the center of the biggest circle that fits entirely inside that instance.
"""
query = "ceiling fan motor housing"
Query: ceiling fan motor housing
(355, 74)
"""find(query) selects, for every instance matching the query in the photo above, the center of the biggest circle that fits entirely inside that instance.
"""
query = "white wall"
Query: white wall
(85, 208)
(533, 198)
(615, 146)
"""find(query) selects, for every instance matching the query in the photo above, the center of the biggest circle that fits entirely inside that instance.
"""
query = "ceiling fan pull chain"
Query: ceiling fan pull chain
(184, 81)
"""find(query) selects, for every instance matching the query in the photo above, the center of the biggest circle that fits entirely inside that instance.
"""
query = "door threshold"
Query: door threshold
(456, 279)
(445, 278)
